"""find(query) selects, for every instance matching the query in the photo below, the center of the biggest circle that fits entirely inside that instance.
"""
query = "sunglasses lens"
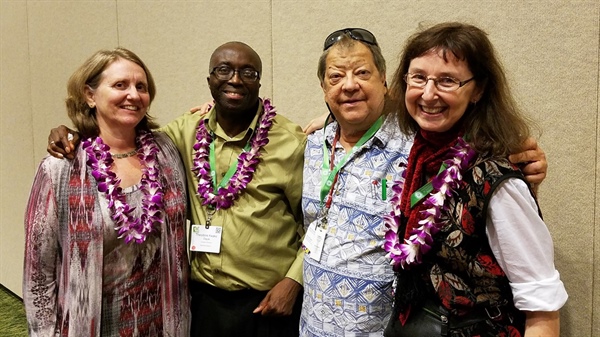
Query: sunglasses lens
(355, 33)
(363, 35)
(333, 38)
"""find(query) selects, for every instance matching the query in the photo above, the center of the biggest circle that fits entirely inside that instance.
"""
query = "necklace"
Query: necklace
(431, 221)
(223, 197)
(124, 155)
(100, 160)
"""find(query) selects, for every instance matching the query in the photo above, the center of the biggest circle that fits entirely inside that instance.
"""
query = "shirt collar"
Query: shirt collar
(380, 139)
(210, 119)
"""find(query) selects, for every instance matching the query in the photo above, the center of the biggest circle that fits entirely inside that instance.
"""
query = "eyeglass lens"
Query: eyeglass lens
(443, 83)
(225, 73)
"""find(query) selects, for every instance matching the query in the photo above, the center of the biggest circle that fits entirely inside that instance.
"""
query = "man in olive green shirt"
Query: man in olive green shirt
(257, 272)
(259, 244)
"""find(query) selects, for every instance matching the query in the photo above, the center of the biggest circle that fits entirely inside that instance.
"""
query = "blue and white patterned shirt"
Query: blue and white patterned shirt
(348, 292)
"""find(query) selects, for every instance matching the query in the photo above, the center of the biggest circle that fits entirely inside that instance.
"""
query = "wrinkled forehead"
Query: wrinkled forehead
(351, 53)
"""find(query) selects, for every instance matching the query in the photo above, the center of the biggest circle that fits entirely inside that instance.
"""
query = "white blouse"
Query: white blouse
(523, 247)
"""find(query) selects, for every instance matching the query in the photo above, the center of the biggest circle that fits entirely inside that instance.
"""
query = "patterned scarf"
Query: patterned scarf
(426, 156)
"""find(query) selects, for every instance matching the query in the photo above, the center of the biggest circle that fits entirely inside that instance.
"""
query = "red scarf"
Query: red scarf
(428, 152)
(426, 156)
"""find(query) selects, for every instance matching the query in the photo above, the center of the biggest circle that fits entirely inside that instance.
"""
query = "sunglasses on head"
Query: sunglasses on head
(359, 34)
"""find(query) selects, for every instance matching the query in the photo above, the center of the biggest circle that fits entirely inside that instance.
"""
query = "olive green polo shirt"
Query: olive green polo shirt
(260, 243)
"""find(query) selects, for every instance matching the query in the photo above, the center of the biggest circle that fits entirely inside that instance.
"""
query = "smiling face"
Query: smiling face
(353, 88)
(436, 110)
(235, 95)
(121, 98)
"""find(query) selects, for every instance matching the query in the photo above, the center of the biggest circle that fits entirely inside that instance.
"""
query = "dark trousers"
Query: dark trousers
(221, 313)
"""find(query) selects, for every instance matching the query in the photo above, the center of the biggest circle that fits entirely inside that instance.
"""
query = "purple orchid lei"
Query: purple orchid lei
(100, 161)
(247, 162)
(432, 221)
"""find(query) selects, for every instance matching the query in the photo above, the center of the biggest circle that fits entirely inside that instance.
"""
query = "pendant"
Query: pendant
(210, 212)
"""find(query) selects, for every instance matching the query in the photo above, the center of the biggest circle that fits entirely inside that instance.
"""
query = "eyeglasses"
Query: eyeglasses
(225, 73)
(359, 34)
(446, 84)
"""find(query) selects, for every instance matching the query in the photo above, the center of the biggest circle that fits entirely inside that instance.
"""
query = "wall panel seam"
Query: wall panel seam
(29, 66)
(272, 60)
(117, 21)
(596, 178)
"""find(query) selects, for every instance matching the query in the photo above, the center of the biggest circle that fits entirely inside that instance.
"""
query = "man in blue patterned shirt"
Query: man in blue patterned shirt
(349, 169)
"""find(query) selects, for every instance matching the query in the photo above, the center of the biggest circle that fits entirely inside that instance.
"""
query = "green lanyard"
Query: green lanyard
(213, 166)
(424, 191)
(327, 175)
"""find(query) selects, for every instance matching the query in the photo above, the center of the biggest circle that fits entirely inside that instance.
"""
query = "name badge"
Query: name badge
(206, 239)
(314, 239)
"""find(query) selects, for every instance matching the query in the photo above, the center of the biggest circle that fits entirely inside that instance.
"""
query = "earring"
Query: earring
(92, 105)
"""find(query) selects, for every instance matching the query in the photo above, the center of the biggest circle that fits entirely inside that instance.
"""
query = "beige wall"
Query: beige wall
(550, 49)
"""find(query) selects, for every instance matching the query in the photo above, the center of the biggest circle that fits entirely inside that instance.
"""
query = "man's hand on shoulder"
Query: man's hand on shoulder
(533, 162)
(316, 124)
(202, 109)
(62, 142)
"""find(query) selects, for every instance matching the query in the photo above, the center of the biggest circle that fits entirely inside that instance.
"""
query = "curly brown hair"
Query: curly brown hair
(493, 125)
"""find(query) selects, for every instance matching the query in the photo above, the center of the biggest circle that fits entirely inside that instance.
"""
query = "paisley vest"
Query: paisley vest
(460, 272)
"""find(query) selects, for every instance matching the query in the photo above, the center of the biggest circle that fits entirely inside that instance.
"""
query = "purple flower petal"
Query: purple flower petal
(100, 161)
(431, 221)
(247, 162)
